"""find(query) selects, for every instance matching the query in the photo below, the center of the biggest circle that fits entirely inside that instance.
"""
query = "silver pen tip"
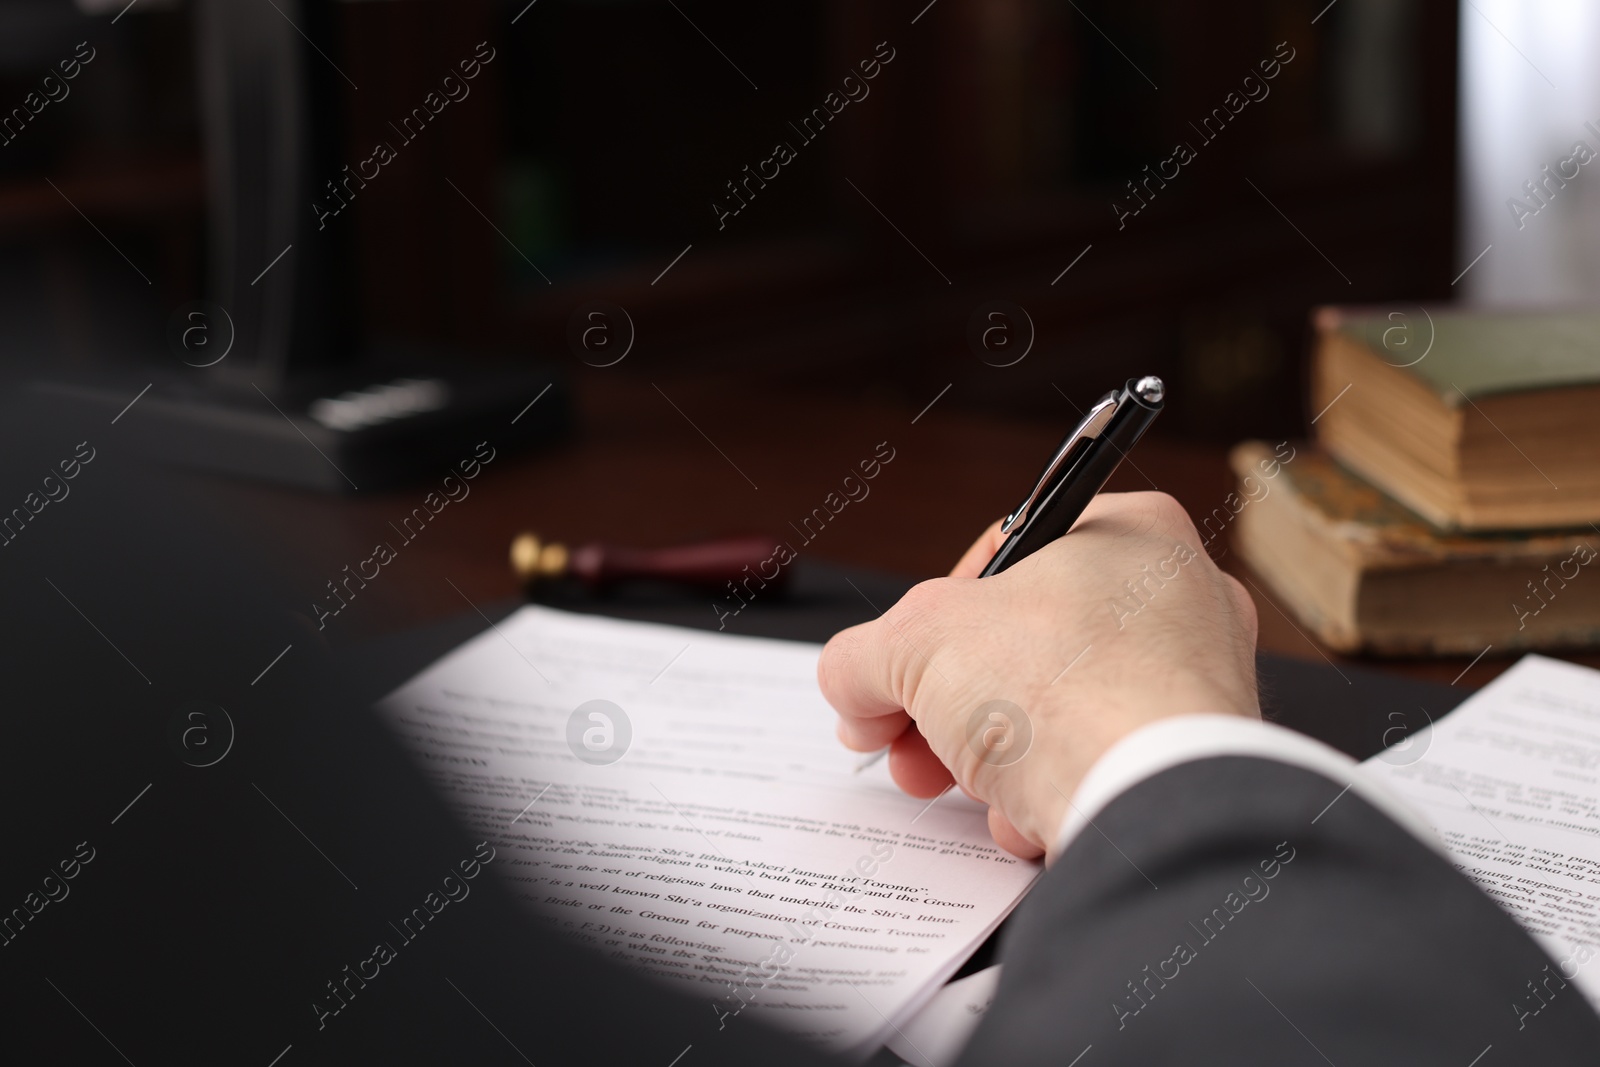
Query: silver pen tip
(1150, 389)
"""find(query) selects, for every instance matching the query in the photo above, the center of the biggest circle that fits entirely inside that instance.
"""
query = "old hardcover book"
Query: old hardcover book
(1366, 574)
(1476, 421)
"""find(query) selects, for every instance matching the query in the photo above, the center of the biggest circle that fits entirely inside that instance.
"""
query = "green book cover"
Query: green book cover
(1481, 353)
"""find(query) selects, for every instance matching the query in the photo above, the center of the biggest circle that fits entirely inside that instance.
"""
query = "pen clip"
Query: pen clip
(1089, 429)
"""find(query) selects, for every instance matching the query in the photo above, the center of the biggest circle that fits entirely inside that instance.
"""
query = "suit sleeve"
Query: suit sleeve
(1245, 909)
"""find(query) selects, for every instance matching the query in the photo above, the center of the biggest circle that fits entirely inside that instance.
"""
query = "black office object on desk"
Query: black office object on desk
(271, 360)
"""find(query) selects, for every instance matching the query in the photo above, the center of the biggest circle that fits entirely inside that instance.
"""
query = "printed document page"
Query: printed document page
(678, 800)
(1511, 782)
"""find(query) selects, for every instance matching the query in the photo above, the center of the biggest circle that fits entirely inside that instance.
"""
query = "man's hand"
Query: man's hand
(1014, 685)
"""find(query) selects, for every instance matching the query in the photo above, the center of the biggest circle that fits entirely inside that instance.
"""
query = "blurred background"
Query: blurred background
(995, 142)
(609, 154)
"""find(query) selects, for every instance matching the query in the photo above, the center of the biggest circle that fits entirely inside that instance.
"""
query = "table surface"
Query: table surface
(655, 464)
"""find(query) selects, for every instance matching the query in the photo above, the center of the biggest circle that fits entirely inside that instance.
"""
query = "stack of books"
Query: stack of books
(1451, 500)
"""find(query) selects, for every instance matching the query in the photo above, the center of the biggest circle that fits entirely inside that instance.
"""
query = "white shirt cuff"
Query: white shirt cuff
(1168, 743)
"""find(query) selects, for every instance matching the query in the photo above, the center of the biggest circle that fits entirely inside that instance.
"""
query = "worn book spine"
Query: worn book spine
(1366, 574)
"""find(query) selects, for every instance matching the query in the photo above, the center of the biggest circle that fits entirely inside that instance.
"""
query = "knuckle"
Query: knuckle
(920, 604)
(1170, 517)
(835, 663)
(1148, 513)
(911, 629)
(1245, 604)
(1166, 507)
(828, 665)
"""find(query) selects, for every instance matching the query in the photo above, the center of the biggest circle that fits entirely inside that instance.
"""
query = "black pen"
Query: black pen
(1077, 470)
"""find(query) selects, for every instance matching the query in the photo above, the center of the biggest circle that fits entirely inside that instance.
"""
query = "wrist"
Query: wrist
(1038, 791)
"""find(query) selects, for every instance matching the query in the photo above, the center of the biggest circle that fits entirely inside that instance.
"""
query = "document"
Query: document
(677, 800)
(1511, 782)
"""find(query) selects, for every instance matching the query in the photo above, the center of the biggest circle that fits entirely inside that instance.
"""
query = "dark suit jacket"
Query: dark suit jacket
(1205, 918)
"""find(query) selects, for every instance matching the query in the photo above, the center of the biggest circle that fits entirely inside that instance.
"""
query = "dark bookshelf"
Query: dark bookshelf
(997, 142)
(594, 146)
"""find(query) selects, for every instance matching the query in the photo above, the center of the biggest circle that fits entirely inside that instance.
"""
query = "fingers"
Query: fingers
(870, 673)
(856, 675)
(974, 559)
(915, 768)
(870, 734)
(859, 668)
(1010, 838)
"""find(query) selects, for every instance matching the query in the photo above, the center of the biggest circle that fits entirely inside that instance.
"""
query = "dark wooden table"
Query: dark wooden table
(657, 464)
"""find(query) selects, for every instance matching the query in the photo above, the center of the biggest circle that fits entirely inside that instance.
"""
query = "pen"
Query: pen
(1077, 470)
